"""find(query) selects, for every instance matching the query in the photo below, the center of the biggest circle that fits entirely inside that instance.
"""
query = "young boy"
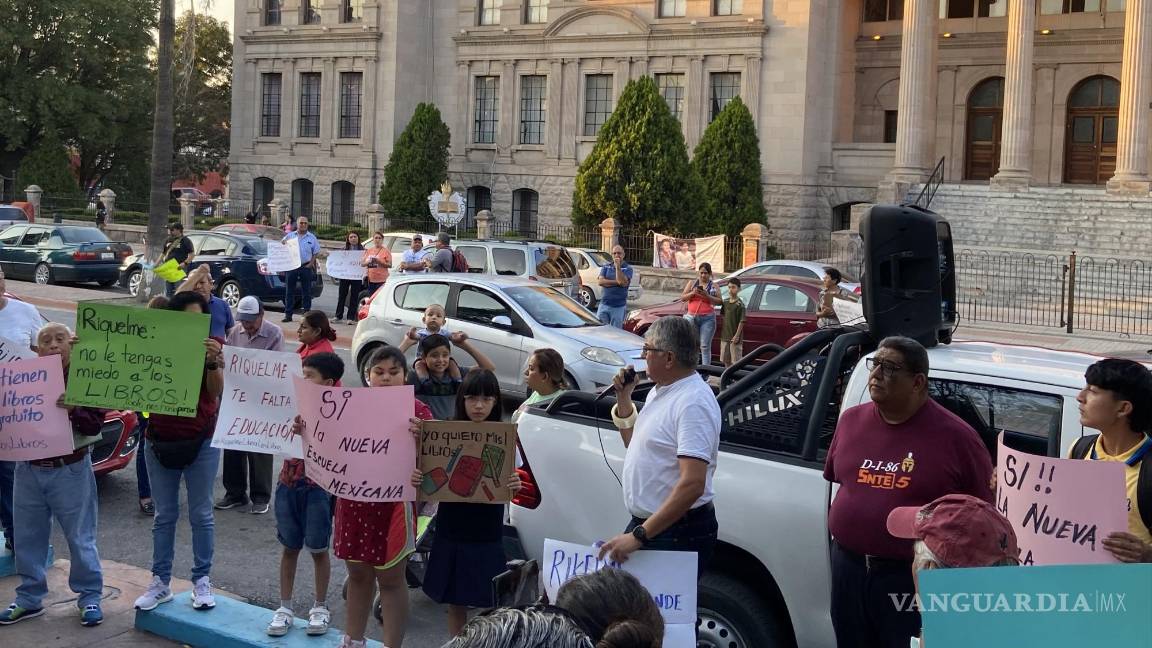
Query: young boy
(436, 375)
(434, 319)
(63, 488)
(732, 315)
(304, 520)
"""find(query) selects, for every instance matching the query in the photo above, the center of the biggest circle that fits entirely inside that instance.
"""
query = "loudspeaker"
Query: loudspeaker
(909, 281)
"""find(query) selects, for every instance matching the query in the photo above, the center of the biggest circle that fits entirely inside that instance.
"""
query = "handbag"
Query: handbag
(520, 585)
(177, 454)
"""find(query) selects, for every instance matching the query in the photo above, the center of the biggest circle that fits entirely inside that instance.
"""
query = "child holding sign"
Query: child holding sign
(63, 488)
(468, 550)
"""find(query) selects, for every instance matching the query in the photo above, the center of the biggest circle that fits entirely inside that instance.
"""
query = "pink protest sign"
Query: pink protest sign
(31, 425)
(1061, 509)
(356, 441)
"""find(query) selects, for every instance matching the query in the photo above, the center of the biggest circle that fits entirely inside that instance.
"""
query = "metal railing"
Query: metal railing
(928, 192)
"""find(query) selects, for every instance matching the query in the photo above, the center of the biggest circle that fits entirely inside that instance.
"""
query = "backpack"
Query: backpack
(1083, 448)
(459, 263)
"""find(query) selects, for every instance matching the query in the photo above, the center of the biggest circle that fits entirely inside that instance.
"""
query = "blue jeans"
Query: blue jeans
(143, 488)
(706, 327)
(67, 493)
(302, 276)
(611, 315)
(199, 478)
(7, 471)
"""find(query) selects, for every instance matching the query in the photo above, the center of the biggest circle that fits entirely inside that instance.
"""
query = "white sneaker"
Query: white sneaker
(281, 622)
(202, 598)
(348, 642)
(318, 619)
(156, 594)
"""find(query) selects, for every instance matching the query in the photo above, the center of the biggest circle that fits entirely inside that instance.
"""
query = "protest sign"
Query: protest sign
(848, 311)
(32, 426)
(1059, 606)
(11, 351)
(1061, 509)
(345, 264)
(140, 359)
(464, 461)
(257, 407)
(669, 576)
(356, 441)
(284, 257)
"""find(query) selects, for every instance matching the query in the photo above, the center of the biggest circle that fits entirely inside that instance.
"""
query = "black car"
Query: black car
(239, 267)
(51, 253)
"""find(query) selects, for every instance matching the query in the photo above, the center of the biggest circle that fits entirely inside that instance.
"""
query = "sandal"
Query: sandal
(148, 508)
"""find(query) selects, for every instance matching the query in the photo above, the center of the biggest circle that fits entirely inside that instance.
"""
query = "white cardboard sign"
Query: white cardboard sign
(284, 257)
(345, 264)
(258, 404)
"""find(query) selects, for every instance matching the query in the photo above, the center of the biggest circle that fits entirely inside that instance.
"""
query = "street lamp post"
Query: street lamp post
(34, 192)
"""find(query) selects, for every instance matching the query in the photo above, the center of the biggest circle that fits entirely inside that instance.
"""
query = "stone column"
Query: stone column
(187, 213)
(256, 91)
(108, 197)
(609, 234)
(639, 67)
(554, 106)
(329, 102)
(278, 210)
(375, 218)
(462, 135)
(484, 224)
(289, 104)
(755, 237)
(571, 113)
(694, 103)
(508, 122)
(917, 91)
(1135, 90)
(1016, 134)
(750, 92)
(623, 76)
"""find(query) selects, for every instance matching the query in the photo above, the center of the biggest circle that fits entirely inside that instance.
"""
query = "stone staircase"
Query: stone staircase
(1049, 219)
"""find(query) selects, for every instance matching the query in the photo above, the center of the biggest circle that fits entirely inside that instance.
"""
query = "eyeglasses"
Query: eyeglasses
(647, 350)
(887, 369)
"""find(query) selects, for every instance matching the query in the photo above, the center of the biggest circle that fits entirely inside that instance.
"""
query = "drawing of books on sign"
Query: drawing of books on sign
(467, 466)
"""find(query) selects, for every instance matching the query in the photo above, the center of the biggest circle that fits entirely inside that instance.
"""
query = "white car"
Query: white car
(788, 268)
(588, 264)
(506, 318)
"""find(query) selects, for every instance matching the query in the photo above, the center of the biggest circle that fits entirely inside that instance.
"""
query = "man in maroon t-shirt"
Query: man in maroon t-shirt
(901, 449)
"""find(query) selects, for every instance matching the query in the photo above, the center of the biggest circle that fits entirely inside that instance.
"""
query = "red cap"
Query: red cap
(963, 531)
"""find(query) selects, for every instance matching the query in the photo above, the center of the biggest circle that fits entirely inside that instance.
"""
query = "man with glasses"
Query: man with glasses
(671, 449)
(901, 449)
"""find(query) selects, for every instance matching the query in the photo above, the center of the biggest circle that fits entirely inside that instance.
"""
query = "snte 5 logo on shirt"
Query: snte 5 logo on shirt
(886, 474)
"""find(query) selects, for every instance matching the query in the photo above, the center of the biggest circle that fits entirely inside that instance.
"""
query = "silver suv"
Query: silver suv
(543, 261)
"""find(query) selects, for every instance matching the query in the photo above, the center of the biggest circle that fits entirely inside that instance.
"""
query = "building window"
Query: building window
(728, 7)
(263, 191)
(343, 202)
(309, 14)
(272, 10)
(489, 12)
(973, 8)
(536, 12)
(672, 8)
(301, 198)
(672, 89)
(1050, 7)
(532, 109)
(309, 104)
(890, 126)
(524, 204)
(882, 10)
(597, 102)
(479, 199)
(725, 87)
(270, 105)
(487, 118)
(351, 11)
(350, 106)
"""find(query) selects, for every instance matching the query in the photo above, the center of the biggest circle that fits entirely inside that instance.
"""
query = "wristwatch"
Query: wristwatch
(640, 534)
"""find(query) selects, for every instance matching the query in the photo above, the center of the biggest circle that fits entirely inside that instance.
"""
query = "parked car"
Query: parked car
(768, 582)
(53, 253)
(239, 267)
(777, 309)
(788, 268)
(13, 214)
(588, 264)
(249, 229)
(507, 318)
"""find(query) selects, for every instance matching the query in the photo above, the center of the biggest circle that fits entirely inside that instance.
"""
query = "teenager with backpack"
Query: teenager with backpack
(1117, 400)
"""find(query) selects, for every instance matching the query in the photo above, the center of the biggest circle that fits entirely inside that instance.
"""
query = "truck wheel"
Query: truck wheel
(732, 615)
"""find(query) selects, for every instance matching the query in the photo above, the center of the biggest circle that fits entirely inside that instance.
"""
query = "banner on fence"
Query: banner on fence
(345, 264)
(284, 257)
(688, 254)
(32, 426)
(257, 407)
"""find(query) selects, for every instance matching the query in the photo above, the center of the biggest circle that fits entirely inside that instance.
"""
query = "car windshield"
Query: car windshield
(600, 258)
(551, 308)
(82, 235)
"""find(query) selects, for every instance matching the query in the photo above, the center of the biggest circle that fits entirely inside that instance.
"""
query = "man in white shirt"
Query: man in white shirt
(672, 448)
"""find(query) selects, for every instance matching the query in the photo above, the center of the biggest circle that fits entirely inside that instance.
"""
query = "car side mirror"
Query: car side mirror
(502, 321)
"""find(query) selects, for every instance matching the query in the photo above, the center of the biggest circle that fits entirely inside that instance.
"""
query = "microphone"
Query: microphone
(629, 376)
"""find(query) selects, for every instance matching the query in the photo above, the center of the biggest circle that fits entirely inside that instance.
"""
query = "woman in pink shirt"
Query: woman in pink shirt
(702, 297)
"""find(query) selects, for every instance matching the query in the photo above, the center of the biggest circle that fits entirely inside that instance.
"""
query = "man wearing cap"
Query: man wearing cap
(901, 449)
(413, 259)
(250, 469)
(951, 532)
(440, 260)
(178, 247)
(302, 276)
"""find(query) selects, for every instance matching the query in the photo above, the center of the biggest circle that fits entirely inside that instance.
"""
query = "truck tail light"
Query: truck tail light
(529, 494)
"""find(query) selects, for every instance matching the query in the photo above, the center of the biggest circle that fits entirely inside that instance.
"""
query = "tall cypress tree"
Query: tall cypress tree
(418, 164)
(728, 163)
(638, 173)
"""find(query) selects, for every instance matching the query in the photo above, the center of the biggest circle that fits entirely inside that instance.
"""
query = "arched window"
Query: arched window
(263, 191)
(1091, 130)
(301, 198)
(343, 202)
(985, 116)
(524, 206)
(479, 198)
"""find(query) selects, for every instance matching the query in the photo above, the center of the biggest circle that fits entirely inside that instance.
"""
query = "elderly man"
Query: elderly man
(671, 451)
(614, 280)
(246, 472)
(440, 259)
(302, 276)
(900, 449)
(413, 259)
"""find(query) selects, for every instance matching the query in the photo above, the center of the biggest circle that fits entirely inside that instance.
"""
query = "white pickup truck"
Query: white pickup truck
(769, 582)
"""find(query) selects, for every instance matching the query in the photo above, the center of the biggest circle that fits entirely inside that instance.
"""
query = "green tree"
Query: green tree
(728, 163)
(163, 125)
(418, 164)
(47, 167)
(638, 173)
(203, 80)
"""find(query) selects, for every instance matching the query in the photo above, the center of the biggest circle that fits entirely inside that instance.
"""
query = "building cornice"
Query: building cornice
(310, 35)
(536, 38)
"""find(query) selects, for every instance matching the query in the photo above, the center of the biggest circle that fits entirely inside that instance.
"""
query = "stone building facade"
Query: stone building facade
(854, 100)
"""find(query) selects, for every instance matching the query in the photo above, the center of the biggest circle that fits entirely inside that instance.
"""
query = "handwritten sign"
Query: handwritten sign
(356, 441)
(848, 311)
(345, 264)
(669, 577)
(1060, 606)
(1061, 509)
(140, 359)
(284, 257)
(11, 351)
(467, 462)
(257, 407)
(31, 425)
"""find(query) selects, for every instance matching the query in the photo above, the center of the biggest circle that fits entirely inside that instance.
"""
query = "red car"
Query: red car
(777, 308)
